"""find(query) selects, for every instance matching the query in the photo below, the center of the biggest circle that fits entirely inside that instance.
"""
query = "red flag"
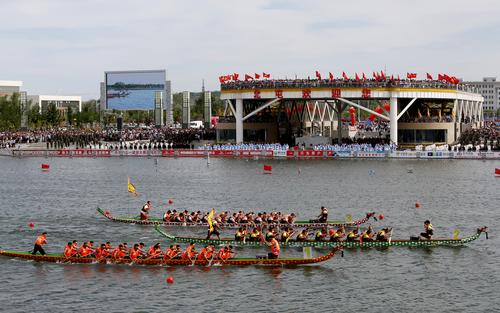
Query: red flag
(318, 75)
(265, 75)
(382, 75)
(440, 77)
(235, 76)
(221, 79)
(357, 77)
(257, 76)
(398, 78)
(364, 77)
(392, 77)
(268, 168)
(331, 75)
(248, 77)
(429, 76)
(345, 76)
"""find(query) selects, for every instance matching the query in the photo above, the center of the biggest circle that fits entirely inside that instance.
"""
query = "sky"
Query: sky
(63, 47)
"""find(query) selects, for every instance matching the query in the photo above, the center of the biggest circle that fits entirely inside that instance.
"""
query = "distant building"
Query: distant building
(8, 87)
(43, 101)
(489, 88)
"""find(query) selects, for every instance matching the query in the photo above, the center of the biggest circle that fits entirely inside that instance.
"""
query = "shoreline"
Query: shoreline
(254, 154)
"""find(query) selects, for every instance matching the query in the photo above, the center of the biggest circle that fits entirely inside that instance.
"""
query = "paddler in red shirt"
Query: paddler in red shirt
(39, 242)
(275, 248)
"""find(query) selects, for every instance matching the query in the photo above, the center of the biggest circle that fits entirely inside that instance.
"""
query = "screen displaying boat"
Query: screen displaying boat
(133, 90)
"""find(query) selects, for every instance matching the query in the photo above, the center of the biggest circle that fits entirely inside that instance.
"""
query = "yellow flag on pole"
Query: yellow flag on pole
(210, 219)
(131, 187)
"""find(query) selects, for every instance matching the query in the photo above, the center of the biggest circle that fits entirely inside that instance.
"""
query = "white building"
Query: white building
(489, 88)
(60, 101)
(8, 87)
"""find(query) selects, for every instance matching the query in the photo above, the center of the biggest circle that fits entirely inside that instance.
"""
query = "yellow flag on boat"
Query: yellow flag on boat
(131, 187)
(456, 233)
(210, 220)
(348, 218)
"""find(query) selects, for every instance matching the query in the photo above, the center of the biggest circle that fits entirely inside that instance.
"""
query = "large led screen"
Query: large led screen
(133, 90)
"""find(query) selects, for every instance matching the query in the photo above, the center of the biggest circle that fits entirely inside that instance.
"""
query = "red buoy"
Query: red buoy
(170, 201)
(417, 204)
(45, 166)
(31, 225)
(170, 280)
(381, 216)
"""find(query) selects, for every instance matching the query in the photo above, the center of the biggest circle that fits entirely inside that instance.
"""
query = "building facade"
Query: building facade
(43, 101)
(8, 87)
(489, 88)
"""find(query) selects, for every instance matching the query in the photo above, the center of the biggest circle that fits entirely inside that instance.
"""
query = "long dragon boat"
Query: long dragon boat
(332, 244)
(60, 258)
(304, 224)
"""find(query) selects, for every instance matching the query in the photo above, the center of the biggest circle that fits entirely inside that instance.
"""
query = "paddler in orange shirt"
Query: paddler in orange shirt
(206, 254)
(39, 242)
(134, 252)
(189, 253)
(170, 253)
(155, 252)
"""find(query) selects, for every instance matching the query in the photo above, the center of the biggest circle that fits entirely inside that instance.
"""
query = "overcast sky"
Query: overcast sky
(64, 46)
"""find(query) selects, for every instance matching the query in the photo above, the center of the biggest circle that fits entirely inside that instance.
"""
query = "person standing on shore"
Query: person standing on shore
(39, 242)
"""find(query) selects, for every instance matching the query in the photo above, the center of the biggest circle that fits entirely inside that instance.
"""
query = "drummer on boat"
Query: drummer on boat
(428, 230)
(323, 216)
(145, 210)
(39, 242)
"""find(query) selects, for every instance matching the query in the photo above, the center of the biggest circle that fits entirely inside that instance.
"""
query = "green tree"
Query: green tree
(52, 115)
(35, 119)
(10, 112)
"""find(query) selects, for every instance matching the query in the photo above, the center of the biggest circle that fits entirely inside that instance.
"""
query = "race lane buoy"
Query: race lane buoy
(170, 201)
(381, 216)
(45, 167)
(170, 280)
(31, 225)
(417, 205)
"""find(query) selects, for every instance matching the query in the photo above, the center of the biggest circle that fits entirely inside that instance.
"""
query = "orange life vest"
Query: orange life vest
(40, 240)
(275, 247)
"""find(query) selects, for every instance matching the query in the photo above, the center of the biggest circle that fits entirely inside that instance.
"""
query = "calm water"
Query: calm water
(453, 194)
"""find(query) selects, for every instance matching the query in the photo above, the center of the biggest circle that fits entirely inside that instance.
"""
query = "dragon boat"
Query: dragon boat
(60, 258)
(332, 244)
(303, 224)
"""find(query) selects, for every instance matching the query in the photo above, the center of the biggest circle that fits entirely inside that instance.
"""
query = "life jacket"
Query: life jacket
(40, 240)
(133, 254)
(188, 254)
(104, 253)
(381, 233)
(351, 235)
(68, 251)
(429, 227)
(84, 251)
(98, 252)
(202, 254)
(366, 235)
(275, 247)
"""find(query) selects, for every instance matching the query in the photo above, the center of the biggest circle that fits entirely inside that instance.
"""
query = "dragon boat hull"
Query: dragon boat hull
(301, 224)
(330, 244)
(59, 258)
